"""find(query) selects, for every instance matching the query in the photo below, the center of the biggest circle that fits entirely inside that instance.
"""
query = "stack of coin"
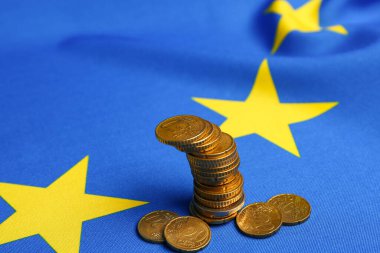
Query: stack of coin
(214, 162)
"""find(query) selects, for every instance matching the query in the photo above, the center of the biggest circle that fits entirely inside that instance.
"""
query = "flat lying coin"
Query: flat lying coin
(294, 209)
(187, 234)
(151, 226)
(259, 220)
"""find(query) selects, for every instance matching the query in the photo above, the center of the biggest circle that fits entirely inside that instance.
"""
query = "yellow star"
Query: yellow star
(263, 113)
(304, 19)
(56, 212)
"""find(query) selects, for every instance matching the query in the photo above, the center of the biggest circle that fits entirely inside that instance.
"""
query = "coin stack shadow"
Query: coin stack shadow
(218, 184)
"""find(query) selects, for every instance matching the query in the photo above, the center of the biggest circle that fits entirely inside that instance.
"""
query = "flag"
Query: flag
(84, 84)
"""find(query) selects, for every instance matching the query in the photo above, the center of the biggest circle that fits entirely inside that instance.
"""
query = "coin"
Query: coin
(225, 144)
(209, 163)
(220, 203)
(221, 192)
(219, 212)
(216, 181)
(259, 220)
(211, 173)
(294, 209)
(151, 226)
(211, 141)
(214, 168)
(180, 129)
(187, 234)
(195, 145)
(213, 221)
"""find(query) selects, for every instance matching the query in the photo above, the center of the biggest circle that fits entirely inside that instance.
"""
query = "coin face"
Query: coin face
(187, 234)
(259, 220)
(180, 129)
(151, 226)
(294, 209)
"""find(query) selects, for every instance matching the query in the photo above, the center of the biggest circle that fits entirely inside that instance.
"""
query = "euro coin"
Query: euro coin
(217, 204)
(215, 162)
(225, 144)
(219, 212)
(210, 173)
(259, 220)
(221, 192)
(235, 162)
(216, 181)
(294, 209)
(199, 142)
(211, 141)
(151, 226)
(212, 221)
(187, 234)
(180, 130)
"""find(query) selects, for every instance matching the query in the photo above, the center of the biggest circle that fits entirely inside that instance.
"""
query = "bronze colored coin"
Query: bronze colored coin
(221, 192)
(210, 163)
(217, 204)
(151, 226)
(259, 220)
(219, 212)
(202, 139)
(212, 141)
(217, 178)
(212, 221)
(294, 209)
(211, 173)
(187, 234)
(225, 144)
(234, 161)
(217, 181)
(180, 130)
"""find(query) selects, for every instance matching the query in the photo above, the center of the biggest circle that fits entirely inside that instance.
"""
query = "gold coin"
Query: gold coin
(225, 144)
(218, 204)
(210, 163)
(219, 212)
(212, 141)
(187, 234)
(151, 226)
(202, 139)
(180, 130)
(259, 220)
(212, 221)
(234, 161)
(217, 181)
(211, 173)
(221, 192)
(294, 209)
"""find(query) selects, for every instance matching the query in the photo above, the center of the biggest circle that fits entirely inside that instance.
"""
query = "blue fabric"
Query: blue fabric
(94, 78)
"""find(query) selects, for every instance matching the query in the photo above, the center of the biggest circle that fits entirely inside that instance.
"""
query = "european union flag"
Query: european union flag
(83, 85)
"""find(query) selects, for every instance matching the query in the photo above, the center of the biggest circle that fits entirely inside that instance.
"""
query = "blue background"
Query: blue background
(94, 78)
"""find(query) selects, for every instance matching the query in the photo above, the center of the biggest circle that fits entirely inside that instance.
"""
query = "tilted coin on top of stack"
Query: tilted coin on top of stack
(214, 162)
